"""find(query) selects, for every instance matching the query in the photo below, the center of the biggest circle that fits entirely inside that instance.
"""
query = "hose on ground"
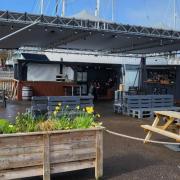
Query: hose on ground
(140, 139)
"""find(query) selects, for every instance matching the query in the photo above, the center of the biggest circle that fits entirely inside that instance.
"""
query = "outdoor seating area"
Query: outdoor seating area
(89, 90)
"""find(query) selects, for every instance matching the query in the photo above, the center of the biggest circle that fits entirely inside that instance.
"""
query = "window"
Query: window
(82, 76)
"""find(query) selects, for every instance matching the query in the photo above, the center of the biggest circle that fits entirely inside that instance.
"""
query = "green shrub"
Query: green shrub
(6, 127)
(82, 122)
(63, 123)
(25, 122)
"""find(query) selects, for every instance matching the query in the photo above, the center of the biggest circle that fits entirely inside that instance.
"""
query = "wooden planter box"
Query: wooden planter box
(45, 153)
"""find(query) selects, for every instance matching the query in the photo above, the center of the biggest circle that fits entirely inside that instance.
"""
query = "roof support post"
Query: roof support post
(19, 30)
(142, 74)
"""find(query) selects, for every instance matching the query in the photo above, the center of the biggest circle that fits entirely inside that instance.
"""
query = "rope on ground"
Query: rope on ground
(140, 139)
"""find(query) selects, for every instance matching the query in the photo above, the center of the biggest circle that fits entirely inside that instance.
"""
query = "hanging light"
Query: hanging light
(115, 36)
(161, 42)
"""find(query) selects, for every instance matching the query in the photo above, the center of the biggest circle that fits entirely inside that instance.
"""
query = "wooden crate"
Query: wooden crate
(45, 153)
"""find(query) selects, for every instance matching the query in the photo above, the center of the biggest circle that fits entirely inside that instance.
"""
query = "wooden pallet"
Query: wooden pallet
(149, 112)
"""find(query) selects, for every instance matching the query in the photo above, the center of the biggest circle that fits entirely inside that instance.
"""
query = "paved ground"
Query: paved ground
(124, 159)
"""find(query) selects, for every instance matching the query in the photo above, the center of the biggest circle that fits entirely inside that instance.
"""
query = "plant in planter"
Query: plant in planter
(59, 144)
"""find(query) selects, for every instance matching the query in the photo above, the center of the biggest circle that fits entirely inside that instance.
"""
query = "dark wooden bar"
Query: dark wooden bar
(44, 88)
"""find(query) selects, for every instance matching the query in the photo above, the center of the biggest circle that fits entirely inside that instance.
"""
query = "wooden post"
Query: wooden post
(99, 155)
(46, 158)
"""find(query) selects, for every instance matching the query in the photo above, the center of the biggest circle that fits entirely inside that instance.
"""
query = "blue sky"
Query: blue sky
(155, 13)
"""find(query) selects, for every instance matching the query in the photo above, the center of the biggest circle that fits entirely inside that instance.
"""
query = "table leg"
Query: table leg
(149, 134)
(169, 121)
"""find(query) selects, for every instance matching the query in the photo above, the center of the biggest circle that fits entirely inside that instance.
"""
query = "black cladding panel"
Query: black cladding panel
(35, 57)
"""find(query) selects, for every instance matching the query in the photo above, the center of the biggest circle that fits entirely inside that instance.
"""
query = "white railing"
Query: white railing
(6, 75)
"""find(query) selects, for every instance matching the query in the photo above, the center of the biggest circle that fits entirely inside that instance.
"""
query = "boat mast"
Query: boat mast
(97, 8)
(57, 6)
(112, 10)
(63, 8)
(175, 15)
(41, 6)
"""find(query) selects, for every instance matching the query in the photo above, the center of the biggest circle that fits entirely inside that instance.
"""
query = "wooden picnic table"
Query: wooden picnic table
(170, 116)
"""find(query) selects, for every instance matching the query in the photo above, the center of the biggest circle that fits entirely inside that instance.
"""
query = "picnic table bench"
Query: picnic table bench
(171, 117)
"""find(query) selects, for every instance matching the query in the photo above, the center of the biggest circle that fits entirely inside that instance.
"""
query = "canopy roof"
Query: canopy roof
(84, 34)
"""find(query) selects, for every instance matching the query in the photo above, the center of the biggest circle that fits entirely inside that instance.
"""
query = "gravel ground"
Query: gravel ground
(124, 159)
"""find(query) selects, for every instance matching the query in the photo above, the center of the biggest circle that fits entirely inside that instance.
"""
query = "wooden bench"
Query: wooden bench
(170, 117)
(3, 98)
(86, 101)
(39, 105)
(69, 103)
(162, 132)
(42, 105)
(66, 101)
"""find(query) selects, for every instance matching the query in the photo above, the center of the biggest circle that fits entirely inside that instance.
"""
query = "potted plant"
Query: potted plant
(34, 146)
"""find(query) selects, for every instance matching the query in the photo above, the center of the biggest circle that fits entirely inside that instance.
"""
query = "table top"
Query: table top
(173, 114)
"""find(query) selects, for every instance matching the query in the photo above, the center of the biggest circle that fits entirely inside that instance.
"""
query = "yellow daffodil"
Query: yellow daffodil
(83, 109)
(59, 104)
(57, 108)
(98, 115)
(89, 110)
(55, 113)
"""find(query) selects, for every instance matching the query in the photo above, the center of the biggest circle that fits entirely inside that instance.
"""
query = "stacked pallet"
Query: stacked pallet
(157, 103)
(143, 106)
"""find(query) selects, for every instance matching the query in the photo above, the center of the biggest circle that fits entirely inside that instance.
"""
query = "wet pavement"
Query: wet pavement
(124, 159)
(13, 108)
